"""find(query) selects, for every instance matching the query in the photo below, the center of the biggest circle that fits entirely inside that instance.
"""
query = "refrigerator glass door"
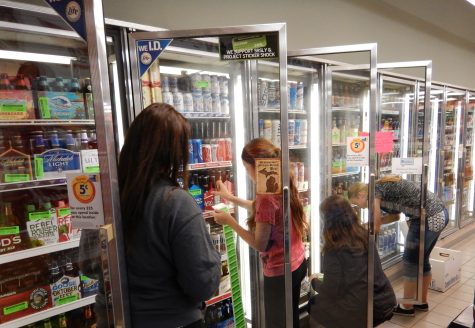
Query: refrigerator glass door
(338, 104)
(404, 115)
(51, 271)
(468, 187)
(214, 78)
(396, 119)
(453, 154)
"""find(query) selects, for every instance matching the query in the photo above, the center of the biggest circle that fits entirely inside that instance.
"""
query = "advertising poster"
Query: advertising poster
(268, 176)
(357, 151)
(249, 46)
(85, 200)
(409, 165)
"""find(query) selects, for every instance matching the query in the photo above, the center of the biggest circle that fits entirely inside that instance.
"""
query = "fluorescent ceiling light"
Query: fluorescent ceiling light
(472, 2)
(30, 56)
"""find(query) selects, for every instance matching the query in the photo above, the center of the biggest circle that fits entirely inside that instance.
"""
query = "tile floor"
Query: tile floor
(443, 307)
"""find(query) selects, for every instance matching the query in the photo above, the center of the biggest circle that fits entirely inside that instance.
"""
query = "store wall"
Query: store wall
(315, 23)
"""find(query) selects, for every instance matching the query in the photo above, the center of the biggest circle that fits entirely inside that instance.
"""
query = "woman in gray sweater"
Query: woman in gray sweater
(171, 263)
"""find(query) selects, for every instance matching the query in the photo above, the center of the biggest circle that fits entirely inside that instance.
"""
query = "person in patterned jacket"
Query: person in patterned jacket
(394, 195)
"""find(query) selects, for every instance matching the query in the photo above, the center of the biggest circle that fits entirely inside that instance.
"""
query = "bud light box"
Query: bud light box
(16, 105)
(60, 99)
(55, 163)
(446, 268)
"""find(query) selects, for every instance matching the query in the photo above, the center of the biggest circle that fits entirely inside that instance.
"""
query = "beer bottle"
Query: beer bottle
(42, 84)
(74, 86)
(21, 83)
(59, 85)
(89, 316)
(4, 82)
(47, 323)
(62, 322)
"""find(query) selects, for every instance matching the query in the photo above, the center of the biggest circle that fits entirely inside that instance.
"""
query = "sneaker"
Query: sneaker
(424, 307)
(398, 310)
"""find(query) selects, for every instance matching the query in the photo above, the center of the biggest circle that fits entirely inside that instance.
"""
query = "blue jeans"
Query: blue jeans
(411, 248)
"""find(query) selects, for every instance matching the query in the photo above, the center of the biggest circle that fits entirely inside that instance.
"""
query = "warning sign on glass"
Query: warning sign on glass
(249, 46)
(268, 176)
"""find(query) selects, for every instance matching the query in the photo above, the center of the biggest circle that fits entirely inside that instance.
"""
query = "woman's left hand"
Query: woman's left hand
(222, 218)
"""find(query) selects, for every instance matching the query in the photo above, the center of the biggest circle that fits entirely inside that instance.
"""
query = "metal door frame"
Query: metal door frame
(326, 99)
(281, 29)
(468, 94)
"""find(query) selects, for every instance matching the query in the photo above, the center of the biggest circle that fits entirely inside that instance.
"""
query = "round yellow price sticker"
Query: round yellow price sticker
(83, 189)
(357, 145)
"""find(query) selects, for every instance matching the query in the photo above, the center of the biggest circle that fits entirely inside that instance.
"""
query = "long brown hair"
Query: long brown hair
(263, 148)
(341, 228)
(155, 148)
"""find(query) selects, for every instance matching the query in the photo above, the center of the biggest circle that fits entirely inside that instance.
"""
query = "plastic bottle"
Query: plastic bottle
(196, 192)
(335, 133)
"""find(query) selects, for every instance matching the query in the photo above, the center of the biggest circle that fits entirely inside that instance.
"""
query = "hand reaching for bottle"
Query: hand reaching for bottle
(222, 218)
(221, 190)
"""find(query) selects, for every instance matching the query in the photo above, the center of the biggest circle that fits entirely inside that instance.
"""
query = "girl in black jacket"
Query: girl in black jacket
(343, 293)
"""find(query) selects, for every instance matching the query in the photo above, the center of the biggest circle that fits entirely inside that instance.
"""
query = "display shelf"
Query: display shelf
(390, 112)
(277, 110)
(213, 300)
(344, 174)
(36, 251)
(346, 109)
(205, 115)
(210, 165)
(339, 145)
(12, 186)
(8, 123)
(49, 313)
(298, 147)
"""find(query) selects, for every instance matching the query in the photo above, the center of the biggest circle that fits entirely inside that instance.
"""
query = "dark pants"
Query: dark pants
(274, 297)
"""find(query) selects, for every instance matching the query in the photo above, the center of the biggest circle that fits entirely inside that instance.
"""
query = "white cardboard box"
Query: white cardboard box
(446, 268)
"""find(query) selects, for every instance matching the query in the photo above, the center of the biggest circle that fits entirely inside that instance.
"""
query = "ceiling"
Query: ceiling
(446, 18)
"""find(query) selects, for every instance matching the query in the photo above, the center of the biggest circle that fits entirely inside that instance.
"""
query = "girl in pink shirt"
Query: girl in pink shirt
(265, 234)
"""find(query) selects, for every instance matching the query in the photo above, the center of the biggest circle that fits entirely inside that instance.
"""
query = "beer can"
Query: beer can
(167, 97)
(164, 82)
(271, 96)
(262, 93)
(303, 131)
(173, 83)
(291, 127)
(207, 102)
(146, 90)
(224, 105)
(300, 96)
(300, 172)
(223, 86)
(197, 151)
(195, 82)
(178, 102)
(190, 152)
(155, 84)
(206, 82)
(188, 102)
(221, 153)
(293, 96)
(206, 151)
(214, 152)
(215, 103)
(297, 140)
(277, 93)
(197, 100)
(276, 132)
(214, 84)
(261, 128)
(268, 129)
